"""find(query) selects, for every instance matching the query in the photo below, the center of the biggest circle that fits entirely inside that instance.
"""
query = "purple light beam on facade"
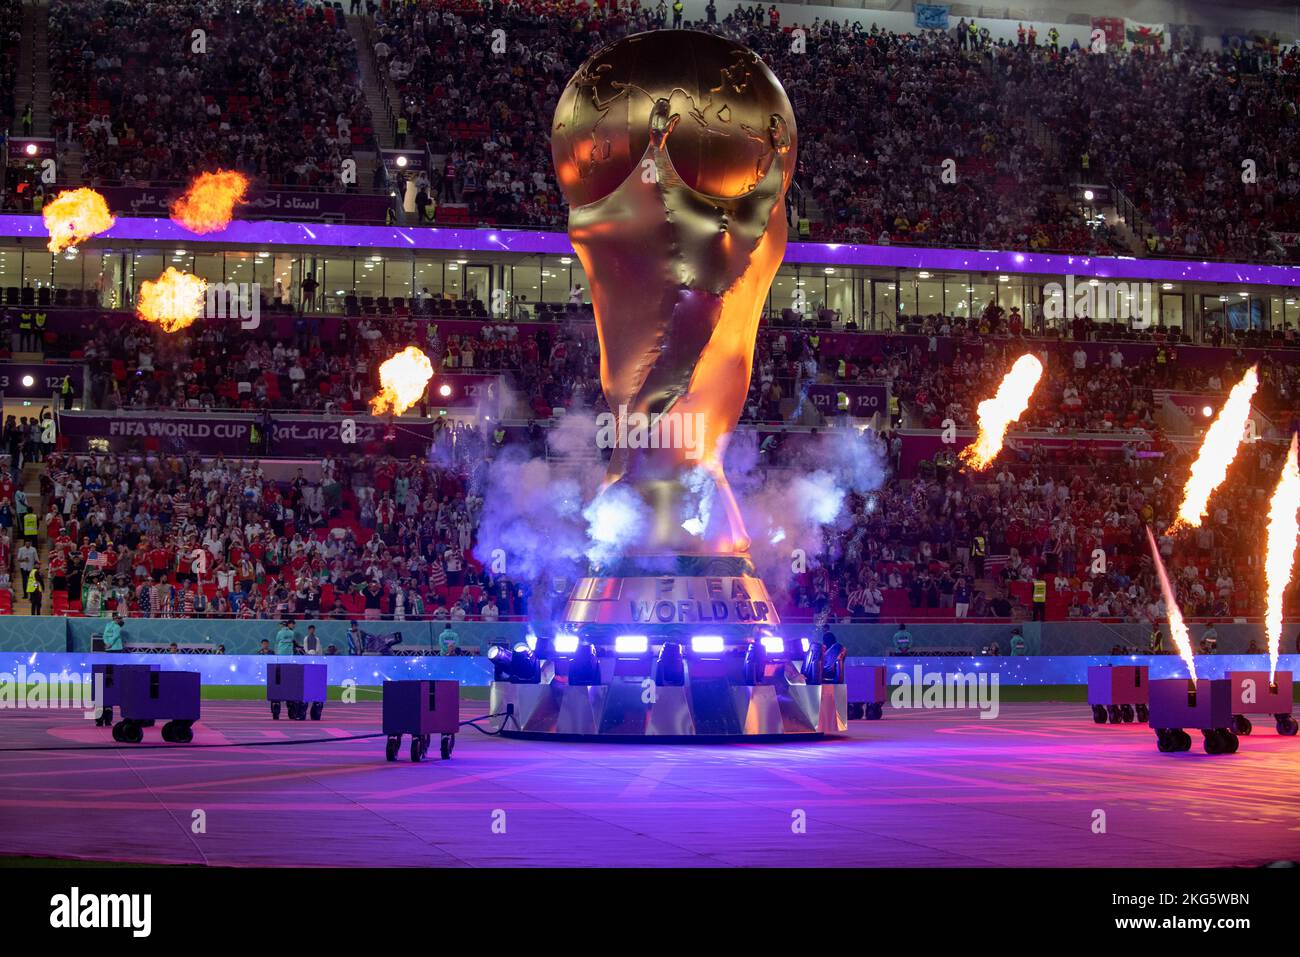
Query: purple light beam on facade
(529, 242)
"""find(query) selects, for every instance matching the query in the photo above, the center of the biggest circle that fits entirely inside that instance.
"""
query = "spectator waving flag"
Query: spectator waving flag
(932, 16)
(1144, 34)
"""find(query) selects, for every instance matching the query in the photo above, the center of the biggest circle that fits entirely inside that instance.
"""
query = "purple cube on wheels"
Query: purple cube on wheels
(1178, 703)
(1254, 693)
(867, 691)
(298, 686)
(108, 683)
(421, 709)
(149, 696)
(1118, 693)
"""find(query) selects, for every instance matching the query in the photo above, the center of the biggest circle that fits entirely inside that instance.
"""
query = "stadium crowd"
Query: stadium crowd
(161, 91)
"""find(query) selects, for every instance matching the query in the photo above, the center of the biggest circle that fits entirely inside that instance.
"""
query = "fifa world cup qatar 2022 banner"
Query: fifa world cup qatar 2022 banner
(291, 436)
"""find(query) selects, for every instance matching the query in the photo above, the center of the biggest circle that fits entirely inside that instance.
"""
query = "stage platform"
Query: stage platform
(919, 788)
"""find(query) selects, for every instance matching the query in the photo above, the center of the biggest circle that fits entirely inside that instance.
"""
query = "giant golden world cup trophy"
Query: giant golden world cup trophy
(675, 150)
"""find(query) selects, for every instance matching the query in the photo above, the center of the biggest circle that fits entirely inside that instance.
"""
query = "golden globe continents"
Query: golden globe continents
(725, 111)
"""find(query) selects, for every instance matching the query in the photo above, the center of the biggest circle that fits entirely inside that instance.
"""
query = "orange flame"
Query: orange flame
(997, 414)
(1283, 529)
(175, 300)
(403, 379)
(74, 216)
(209, 204)
(1218, 449)
(1177, 627)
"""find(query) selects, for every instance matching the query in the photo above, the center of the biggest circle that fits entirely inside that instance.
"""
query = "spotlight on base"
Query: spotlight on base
(584, 669)
(670, 668)
(518, 665)
(813, 664)
(755, 663)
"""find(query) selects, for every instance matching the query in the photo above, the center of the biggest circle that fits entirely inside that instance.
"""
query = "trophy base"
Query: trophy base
(685, 599)
(700, 710)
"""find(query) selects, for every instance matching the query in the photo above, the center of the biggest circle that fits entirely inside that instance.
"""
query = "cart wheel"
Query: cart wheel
(1143, 713)
(1214, 743)
(317, 709)
(391, 749)
(183, 733)
(1164, 741)
(1184, 740)
(1287, 724)
(1229, 740)
(856, 710)
(1112, 712)
(132, 733)
(1126, 712)
(1099, 714)
(875, 711)
(106, 719)
(448, 745)
(417, 748)
(167, 731)
(117, 732)
(275, 710)
(1241, 724)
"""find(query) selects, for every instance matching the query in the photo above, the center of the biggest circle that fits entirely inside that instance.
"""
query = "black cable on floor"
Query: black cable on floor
(251, 744)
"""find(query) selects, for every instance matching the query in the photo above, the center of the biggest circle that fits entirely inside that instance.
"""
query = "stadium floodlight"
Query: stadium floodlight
(774, 644)
(565, 644)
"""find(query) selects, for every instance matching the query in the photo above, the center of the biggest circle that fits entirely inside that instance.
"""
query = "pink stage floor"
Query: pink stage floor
(916, 789)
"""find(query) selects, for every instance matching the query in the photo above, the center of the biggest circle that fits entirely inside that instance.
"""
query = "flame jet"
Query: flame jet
(1177, 627)
(1218, 449)
(74, 216)
(209, 204)
(173, 301)
(997, 414)
(402, 379)
(1279, 564)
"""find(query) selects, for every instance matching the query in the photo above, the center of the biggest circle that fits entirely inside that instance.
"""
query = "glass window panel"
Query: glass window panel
(67, 269)
(557, 281)
(428, 277)
(210, 267)
(453, 280)
(36, 268)
(1171, 310)
(929, 297)
(531, 284)
(370, 277)
(839, 295)
(11, 268)
(145, 266)
(338, 283)
(885, 304)
(398, 278)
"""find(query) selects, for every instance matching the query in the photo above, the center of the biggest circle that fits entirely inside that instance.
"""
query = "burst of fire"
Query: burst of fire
(74, 216)
(175, 300)
(402, 380)
(1177, 627)
(209, 204)
(997, 414)
(1283, 529)
(1218, 449)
